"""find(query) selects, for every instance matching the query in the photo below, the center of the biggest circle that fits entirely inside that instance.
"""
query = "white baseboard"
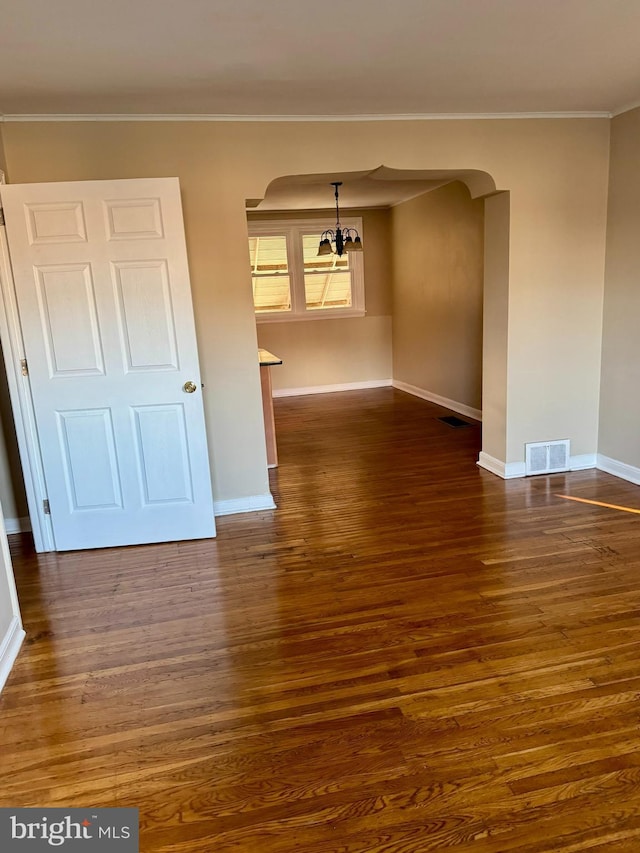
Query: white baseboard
(618, 469)
(331, 389)
(254, 503)
(17, 525)
(506, 470)
(513, 470)
(9, 648)
(582, 462)
(445, 402)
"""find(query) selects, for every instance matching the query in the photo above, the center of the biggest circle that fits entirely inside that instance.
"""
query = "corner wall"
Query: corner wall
(438, 243)
(12, 492)
(495, 341)
(619, 439)
(11, 630)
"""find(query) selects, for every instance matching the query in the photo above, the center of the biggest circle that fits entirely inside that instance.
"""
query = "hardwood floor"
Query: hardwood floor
(409, 655)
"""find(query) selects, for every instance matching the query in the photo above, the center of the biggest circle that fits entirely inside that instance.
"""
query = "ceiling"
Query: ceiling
(297, 58)
(381, 187)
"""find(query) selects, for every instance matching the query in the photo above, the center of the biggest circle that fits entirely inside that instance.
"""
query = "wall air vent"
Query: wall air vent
(547, 457)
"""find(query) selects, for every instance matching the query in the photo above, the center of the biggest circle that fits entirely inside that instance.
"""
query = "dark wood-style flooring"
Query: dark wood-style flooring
(409, 655)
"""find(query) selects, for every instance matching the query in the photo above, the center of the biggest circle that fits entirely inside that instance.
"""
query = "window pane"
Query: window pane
(268, 254)
(327, 279)
(271, 293)
(327, 290)
(270, 273)
(312, 262)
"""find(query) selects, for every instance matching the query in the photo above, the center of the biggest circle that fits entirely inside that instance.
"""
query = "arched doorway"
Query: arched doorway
(392, 190)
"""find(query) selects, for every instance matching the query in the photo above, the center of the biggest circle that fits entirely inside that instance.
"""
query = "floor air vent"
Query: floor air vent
(547, 457)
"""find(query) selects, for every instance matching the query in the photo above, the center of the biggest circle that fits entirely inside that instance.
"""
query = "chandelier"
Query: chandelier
(345, 239)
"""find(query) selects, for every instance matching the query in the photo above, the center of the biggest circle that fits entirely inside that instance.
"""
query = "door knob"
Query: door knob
(189, 387)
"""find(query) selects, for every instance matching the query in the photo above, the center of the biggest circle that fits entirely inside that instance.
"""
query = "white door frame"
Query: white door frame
(21, 403)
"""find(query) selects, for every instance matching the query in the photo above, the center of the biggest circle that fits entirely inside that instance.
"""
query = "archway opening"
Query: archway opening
(436, 291)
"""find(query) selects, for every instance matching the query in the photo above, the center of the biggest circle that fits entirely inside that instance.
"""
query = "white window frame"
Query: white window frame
(293, 230)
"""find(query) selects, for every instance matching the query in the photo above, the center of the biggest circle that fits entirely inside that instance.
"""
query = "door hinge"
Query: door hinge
(1, 214)
(46, 507)
(24, 366)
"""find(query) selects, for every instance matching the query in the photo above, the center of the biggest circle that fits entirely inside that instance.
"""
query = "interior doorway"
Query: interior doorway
(427, 235)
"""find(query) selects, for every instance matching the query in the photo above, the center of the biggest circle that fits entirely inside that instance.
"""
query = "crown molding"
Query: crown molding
(115, 117)
(627, 108)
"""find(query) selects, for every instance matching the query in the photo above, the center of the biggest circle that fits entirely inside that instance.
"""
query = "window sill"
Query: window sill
(310, 315)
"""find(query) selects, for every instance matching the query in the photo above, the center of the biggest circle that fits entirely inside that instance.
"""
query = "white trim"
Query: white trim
(515, 470)
(582, 462)
(618, 469)
(293, 230)
(254, 503)
(12, 117)
(506, 470)
(9, 648)
(490, 463)
(445, 402)
(17, 525)
(22, 404)
(332, 389)
(311, 314)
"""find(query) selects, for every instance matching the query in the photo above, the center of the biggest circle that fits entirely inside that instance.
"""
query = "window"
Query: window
(290, 281)
(270, 273)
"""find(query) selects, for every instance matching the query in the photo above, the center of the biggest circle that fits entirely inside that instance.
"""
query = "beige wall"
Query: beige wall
(12, 495)
(339, 351)
(620, 401)
(495, 320)
(6, 606)
(11, 631)
(8, 598)
(437, 293)
(556, 270)
(556, 174)
(3, 161)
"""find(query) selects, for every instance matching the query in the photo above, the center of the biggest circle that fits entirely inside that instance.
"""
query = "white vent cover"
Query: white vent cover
(547, 457)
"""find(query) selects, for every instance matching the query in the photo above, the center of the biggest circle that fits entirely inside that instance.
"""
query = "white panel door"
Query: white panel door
(103, 293)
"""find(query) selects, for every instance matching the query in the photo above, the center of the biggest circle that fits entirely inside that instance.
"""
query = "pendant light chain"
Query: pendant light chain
(347, 240)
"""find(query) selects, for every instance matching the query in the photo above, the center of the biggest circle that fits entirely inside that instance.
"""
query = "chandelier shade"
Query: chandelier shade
(341, 240)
